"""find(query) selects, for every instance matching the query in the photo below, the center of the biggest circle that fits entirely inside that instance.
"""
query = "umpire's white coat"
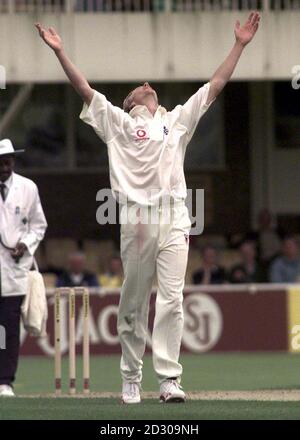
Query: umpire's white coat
(21, 219)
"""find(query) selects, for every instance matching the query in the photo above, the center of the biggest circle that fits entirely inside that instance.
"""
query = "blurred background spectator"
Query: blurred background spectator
(210, 272)
(250, 270)
(268, 236)
(114, 276)
(286, 267)
(76, 275)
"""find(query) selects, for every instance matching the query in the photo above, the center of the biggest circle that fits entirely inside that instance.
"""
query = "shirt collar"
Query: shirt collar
(8, 183)
(142, 111)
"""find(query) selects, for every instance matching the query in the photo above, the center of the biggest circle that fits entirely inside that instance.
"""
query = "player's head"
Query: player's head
(142, 95)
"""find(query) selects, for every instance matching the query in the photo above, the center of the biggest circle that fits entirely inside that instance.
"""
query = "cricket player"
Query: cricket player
(146, 146)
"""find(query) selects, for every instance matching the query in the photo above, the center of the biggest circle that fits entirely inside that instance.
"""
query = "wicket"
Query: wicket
(71, 294)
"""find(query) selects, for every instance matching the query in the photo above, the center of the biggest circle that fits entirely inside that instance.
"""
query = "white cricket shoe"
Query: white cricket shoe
(6, 391)
(171, 392)
(131, 392)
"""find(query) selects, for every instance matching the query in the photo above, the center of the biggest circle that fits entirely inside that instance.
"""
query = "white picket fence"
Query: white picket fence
(102, 6)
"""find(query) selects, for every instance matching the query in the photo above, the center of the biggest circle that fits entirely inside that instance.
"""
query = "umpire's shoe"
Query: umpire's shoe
(6, 391)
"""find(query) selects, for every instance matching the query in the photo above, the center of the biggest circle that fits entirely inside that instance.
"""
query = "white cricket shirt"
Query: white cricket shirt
(146, 153)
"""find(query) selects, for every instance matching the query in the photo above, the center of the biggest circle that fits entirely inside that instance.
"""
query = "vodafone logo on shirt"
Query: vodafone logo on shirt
(141, 135)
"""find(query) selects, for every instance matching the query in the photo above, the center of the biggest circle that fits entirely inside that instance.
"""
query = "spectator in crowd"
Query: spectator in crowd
(268, 237)
(210, 272)
(76, 275)
(286, 267)
(114, 276)
(249, 270)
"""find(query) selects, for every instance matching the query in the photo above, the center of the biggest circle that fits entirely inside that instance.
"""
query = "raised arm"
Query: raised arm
(243, 36)
(77, 79)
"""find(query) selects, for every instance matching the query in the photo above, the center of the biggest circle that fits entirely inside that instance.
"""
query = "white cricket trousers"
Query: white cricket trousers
(159, 246)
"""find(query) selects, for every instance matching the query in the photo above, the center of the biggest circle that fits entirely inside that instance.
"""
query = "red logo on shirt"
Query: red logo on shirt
(141, 133)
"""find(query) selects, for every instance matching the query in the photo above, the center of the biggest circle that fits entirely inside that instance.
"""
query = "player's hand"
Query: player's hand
(244, 34)
(50, 37)
(19, 251)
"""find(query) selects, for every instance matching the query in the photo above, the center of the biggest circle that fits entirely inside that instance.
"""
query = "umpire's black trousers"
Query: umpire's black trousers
(10, 314)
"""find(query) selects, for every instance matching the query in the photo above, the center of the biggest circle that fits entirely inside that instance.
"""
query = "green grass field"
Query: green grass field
(210, 372)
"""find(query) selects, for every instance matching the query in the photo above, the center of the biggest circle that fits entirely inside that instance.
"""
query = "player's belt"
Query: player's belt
(171, 200)
(161, 201)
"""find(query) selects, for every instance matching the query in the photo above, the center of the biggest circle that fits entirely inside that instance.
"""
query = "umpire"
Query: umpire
(22, 227)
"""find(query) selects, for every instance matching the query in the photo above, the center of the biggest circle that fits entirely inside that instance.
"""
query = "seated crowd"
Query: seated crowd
(76, 274)
(283, 268)
(265, 255)
(262, 256)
